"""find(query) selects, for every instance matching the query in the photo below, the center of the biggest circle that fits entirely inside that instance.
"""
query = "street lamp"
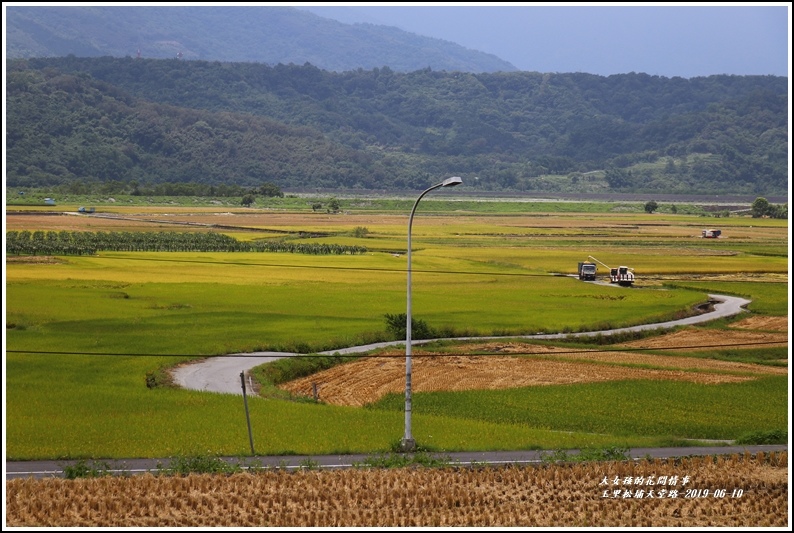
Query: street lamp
(408, 443)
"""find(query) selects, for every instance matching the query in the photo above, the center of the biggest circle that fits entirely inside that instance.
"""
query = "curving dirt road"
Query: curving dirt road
(222, 374)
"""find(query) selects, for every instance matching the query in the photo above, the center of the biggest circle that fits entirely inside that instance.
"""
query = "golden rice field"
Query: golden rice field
(725, 491)
(625, 226)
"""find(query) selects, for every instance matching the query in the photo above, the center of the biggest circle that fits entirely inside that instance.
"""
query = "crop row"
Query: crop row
(89, 243)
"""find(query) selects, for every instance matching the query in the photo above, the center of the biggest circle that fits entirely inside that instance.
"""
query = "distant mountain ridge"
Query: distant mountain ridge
(262, 34)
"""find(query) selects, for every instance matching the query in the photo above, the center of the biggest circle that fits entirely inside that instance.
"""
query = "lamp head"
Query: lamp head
(451, 182)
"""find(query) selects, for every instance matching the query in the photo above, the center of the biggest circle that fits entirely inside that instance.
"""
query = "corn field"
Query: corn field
(737, 491)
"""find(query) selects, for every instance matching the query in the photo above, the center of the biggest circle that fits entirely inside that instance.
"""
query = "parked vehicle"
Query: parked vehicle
(587, 271)
(622, 275)
(711, 233)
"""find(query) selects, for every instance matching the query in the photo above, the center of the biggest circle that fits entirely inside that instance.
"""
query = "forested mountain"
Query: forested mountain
(149, 121)
(260, 34)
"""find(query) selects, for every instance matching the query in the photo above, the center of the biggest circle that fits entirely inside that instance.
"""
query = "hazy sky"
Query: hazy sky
(665, 39)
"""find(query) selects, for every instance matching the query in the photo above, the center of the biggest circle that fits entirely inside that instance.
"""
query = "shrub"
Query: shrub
(396, 459)
(587, 454)
(82, 469)
(395, 324)
(360, 231)
(199, 464)
(290, 368)
(159, 378)
(774, 436)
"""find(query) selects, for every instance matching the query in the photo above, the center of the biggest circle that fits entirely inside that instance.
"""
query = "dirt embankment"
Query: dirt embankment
(367, 380)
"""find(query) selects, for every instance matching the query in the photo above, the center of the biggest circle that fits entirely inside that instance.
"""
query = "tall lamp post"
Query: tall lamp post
(408, 443)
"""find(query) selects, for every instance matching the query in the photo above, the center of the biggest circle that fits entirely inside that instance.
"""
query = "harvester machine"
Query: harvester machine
(622, 275)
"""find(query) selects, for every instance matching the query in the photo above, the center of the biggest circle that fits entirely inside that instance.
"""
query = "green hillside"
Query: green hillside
(151, 121)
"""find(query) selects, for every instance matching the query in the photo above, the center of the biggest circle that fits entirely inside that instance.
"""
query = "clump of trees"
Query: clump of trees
(86, 186)
(270, 190)
(762, 208)
(333, 206)
(396, 324)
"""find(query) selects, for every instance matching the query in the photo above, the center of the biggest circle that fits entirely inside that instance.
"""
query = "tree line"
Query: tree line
(133, 188)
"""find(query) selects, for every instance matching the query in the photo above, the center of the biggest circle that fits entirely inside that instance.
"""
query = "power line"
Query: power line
(395, 270)
(386, 356)
(327, 267)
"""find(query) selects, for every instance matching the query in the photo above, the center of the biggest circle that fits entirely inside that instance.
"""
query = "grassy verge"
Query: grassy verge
(283, 370)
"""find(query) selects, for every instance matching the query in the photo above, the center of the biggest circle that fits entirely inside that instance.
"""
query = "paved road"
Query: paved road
(43, 469)
(222, 374)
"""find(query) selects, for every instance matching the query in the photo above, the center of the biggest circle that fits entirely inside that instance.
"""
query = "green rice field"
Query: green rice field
(83, 332)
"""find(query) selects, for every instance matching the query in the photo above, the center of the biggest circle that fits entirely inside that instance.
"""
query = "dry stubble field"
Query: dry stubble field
(367, 380)
(725, 491)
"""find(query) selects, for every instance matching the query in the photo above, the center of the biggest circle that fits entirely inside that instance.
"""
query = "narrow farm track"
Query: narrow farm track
(222, 374)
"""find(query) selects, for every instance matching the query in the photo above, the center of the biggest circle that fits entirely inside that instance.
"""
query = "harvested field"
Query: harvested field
(187, 221)
(766, 330)
(35, 259)
(734, 491)
(763, 323)
(65, 222)
(367, 380)
(515, 224)
(710, 339)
